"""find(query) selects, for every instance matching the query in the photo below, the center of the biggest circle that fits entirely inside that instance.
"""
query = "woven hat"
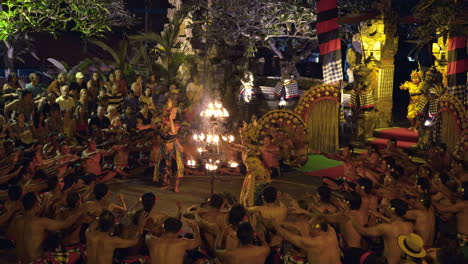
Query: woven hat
(412, 245)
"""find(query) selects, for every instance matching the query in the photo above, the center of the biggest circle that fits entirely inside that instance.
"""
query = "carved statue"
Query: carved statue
(432, 89)
(247, 92)
(362, 102)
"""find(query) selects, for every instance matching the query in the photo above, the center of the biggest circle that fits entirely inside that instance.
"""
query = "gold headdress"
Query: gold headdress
(416, 74)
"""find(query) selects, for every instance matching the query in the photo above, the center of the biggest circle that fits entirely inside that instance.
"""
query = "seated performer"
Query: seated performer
(169, 248)
(30, 230)
(247, 252)
(92, 161)
(100, 245)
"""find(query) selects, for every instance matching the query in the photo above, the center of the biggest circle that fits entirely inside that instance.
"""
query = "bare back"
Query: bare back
(350, 235)
(391, 232)
(277, 214)
(323, 248)
(167, 250)
(243, 255)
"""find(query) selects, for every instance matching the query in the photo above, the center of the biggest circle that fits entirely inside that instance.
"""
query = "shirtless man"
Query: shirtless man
(247, 252)
(211, 215)
(270, 211)
(369, 200)
(424, 217)
(71, 236)
(271, 156)
(92, 161)
(132, 254)
(94, 208)
(100, 245)
(461, 210)
(389, 231)
(169, 248)
(285, 145)
(321, 244)
(31, 229)
(155, 218)
(325, 205)
(351, 237)
(121, 158)
(227, 236)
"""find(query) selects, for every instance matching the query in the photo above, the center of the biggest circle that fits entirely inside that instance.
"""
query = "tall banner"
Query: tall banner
(329, 41)
(457, 67)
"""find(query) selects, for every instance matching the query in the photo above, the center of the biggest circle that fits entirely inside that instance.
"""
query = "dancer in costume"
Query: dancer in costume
(169, 163)
(257, 178)
(414, 89)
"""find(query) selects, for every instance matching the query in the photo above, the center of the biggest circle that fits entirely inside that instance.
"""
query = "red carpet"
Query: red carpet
(405, 139)
(381, 143)
(334, 172)
(400, 133)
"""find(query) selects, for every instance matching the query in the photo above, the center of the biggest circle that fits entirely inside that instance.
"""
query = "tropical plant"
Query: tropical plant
(169, 52)
(437, 18)
(123, 58)
(83, 66)
(16, 49)
(88, 17)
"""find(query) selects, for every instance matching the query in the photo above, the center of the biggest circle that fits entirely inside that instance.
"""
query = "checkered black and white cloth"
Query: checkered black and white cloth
(291, 89)
(332, 72)
(433, 107)
(459, 91)
(362, 100)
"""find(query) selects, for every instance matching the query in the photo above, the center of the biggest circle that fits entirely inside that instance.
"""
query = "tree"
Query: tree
(169, 52)
(88, 17)
(15, 49)
(284, 26)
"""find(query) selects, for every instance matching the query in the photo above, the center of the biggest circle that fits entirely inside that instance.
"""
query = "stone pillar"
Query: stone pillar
(384, 91)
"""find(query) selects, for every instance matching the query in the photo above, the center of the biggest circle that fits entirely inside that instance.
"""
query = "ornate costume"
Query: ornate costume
(414, 88)
(168, 160)
(256, 179)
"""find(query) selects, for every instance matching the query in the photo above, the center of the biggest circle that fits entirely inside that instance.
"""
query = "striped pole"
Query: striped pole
(457, 68)
(329, 41)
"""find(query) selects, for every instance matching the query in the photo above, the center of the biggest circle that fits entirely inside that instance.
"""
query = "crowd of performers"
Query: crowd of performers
(61, 144)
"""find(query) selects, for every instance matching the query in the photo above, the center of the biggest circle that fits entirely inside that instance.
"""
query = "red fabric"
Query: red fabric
(334, 172)
(330, 46)
(327, 26)
(459, 66)
(458, 42)
(324, 5)
(399, 133)
(364, 257)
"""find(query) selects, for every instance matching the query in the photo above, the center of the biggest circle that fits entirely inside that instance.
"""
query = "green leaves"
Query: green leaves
(91, 18)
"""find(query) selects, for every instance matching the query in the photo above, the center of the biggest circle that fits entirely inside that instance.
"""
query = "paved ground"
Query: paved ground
(196, 189)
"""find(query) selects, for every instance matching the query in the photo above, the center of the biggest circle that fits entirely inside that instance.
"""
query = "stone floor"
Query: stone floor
(196, 189)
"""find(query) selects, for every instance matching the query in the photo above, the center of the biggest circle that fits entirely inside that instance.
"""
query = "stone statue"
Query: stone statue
(362, 102)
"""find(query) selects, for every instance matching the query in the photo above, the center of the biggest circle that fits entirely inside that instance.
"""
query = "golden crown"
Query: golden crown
(416, 73)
